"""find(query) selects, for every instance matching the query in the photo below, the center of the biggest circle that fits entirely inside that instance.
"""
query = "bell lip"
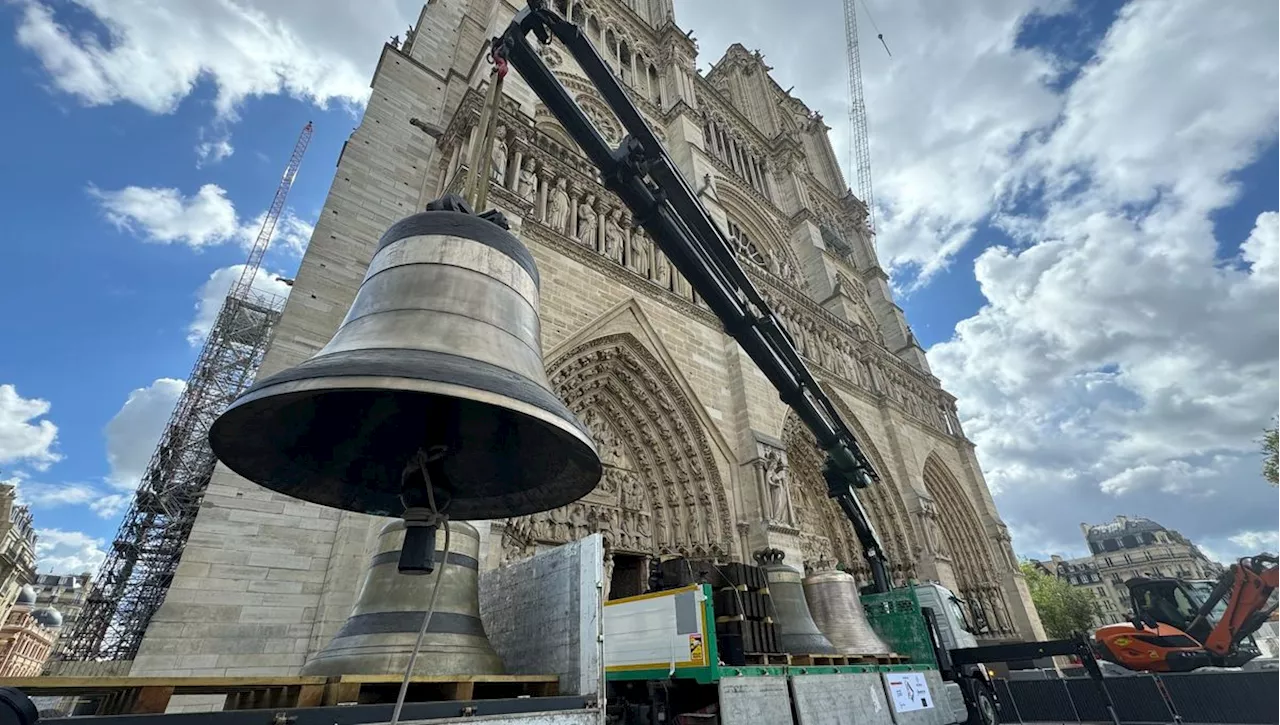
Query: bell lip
(376, 382)
(356, 382)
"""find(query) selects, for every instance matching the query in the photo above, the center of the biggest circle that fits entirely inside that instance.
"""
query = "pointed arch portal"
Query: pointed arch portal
(968, 549)
(661, 492)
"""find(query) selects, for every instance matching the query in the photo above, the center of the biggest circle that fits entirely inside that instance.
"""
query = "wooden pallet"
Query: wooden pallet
(149, 695)
(374, 689)
(876, 659)
(767, 658)
(820, 660)
(824, 660)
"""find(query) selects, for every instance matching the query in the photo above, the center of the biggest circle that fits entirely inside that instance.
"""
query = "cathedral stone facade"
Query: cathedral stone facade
(701, 456)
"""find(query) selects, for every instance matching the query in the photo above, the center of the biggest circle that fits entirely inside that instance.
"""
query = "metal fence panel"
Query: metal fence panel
(1008, 706)
(1137, 700)
(1043, 700)
(1235, 697)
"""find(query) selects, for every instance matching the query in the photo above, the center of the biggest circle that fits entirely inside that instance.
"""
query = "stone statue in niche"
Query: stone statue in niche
(661, 269)
(842, 352)
(632, 495)
(558, 213)
(498, 158)
(561, 528)
(608, 444)
(788, 272)
(933, 540)
(682, 286)
(613, 241)
(528, 183)
(638, 259)
(587, 221)
(779, 497)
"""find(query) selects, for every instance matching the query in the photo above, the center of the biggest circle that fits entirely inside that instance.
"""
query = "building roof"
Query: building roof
(1119, 526)
(26, 596)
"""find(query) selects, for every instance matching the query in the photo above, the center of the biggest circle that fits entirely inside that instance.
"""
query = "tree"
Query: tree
(1064, 609)
(1269, 464)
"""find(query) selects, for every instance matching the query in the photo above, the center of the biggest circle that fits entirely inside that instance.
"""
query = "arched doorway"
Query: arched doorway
(661, 493)
(966, 547)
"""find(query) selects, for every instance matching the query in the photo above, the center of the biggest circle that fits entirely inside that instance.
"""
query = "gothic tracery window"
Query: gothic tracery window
(744, 247)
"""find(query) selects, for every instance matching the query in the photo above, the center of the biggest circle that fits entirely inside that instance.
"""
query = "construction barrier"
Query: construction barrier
(1234, 698)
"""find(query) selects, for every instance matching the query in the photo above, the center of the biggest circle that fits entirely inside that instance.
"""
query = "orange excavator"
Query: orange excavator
(1180, 625)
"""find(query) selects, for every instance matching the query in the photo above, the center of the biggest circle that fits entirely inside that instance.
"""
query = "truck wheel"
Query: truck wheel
(984, 710)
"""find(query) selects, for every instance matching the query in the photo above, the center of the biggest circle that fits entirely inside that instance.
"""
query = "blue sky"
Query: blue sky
(1049, 177)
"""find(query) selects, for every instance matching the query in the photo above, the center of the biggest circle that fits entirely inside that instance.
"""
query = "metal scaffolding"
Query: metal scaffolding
(132, 582)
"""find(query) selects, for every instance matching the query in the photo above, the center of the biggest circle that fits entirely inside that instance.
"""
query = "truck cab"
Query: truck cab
(967, 687)
(953, 626)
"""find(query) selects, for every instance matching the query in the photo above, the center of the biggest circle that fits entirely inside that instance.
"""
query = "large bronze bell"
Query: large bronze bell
(379, 635)
(837, 609)
(797, 633)
(435, 378)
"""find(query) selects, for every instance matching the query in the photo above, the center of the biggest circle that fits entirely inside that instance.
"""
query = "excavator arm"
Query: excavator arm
(1247, 587)
(642, 174)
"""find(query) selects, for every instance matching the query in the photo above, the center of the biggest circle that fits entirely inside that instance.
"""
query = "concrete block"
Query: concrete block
(753, 700)
(846, 699)
(542, 614)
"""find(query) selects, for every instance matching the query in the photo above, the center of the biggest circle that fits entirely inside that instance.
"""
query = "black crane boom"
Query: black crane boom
(642, 174)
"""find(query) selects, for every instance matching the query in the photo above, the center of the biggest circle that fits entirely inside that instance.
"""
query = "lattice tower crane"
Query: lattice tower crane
(859, 143)
(134, 579)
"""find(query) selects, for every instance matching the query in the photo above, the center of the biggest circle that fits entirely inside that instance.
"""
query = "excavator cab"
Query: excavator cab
(1180, 625)
(1155, 639)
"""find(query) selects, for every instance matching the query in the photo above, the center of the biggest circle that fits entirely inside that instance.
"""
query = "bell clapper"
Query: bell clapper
(417, 553)
(421, 492)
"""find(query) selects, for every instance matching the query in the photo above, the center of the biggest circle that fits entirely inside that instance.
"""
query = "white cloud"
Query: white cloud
(206, 218)
(133, 433)
(1262, 249)
(165, 215)
(1121, 363)
(214, 291)
(1257, 541)
(110, 505)
(62, 551)
(46, 495)
(213, 151)
(291, 234)
(23, 438)
(155, 55)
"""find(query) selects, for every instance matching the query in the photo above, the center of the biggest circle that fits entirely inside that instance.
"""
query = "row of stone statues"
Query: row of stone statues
(590, 221)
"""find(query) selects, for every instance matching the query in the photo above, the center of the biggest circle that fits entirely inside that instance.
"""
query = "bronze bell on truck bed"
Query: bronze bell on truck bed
(434, 379)
(797, 633)
(837, 609)
(378, 636)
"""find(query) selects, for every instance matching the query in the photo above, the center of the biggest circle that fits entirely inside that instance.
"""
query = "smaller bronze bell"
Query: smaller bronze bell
(379, 635)
(837, 610)
(797, 632)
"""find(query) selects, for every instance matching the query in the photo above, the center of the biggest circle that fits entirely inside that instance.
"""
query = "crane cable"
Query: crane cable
(879, 35)
(476, 188)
